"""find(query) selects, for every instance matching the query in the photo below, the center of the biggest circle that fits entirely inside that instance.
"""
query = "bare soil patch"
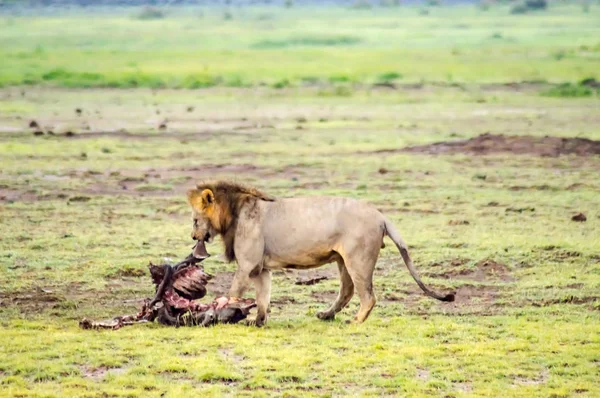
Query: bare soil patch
(219, 285)
(320, 274)
(484, 270)
(98, 373)
(469, 300)
(525, 381)
(33, 301)
(524, 145)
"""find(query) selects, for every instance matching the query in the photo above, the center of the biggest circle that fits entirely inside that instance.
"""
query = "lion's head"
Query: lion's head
(215, 210)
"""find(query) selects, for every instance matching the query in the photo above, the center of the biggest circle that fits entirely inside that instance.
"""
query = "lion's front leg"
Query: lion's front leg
(240, 283)
(249, 249)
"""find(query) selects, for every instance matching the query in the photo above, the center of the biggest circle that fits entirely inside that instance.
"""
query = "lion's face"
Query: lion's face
(205, 219)
(202, 228)
(206, 214)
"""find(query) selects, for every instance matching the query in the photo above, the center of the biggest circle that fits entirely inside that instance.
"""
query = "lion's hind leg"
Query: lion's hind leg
(344, 296)
(360, 265)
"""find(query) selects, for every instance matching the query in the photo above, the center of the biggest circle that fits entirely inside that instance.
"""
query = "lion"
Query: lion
(263, 233)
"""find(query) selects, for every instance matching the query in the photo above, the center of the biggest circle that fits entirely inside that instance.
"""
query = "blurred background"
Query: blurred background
(279, 44)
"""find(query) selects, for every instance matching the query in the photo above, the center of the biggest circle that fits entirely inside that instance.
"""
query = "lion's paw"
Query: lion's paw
(256, 322)
(326, 316)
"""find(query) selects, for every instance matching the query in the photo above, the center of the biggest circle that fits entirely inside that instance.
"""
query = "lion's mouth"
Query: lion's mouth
(200, 250)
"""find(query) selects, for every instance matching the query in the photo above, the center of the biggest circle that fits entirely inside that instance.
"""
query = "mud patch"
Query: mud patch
(524, 145)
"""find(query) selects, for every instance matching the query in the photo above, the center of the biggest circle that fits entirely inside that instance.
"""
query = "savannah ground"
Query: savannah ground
(82, 214)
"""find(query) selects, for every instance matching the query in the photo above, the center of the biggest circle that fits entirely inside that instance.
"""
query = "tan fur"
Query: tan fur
(263, 234)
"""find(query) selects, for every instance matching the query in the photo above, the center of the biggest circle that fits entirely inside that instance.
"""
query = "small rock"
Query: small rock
(190, 109)
(579, 217)
(38, 132)
(78, 111)
(162, 126)
(383, 170)
(33, 124)
(310, 281)
(69, 134)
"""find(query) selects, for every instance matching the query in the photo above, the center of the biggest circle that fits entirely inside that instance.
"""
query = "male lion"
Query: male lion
(263, 233)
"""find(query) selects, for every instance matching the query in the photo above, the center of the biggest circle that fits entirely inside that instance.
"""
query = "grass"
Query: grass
(450, 44)
(283, 98)
(570, 90)
(533, 332)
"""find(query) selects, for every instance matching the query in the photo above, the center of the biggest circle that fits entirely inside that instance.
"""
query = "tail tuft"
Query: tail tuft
(449, 297)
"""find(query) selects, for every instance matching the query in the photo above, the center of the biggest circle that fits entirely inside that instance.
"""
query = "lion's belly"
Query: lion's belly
(300, 261)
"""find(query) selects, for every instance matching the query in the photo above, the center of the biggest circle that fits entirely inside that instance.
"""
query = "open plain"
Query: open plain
(481, 169)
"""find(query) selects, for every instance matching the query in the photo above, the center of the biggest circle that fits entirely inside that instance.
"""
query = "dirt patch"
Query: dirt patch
(484, 270)
(525, 145)
(283, 300)
(525, 381)
(100, 372)
(458, 222)
(219, 285)
(310, 281)
(34, 301)
(144, 182)
(319, 274)
(568, 299)
(423, 374)
(326, 297)
(229, 355)
(469, 300)
(556, 253)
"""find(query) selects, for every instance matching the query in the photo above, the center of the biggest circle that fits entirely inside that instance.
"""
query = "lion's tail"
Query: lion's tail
(394, 235)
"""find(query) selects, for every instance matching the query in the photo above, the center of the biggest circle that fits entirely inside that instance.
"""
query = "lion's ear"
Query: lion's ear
(200, 200)
(208, 198)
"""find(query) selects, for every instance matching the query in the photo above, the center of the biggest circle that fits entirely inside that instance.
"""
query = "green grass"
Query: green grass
(532, 333)
(571, 90)
(287, 105)
(186, 50)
